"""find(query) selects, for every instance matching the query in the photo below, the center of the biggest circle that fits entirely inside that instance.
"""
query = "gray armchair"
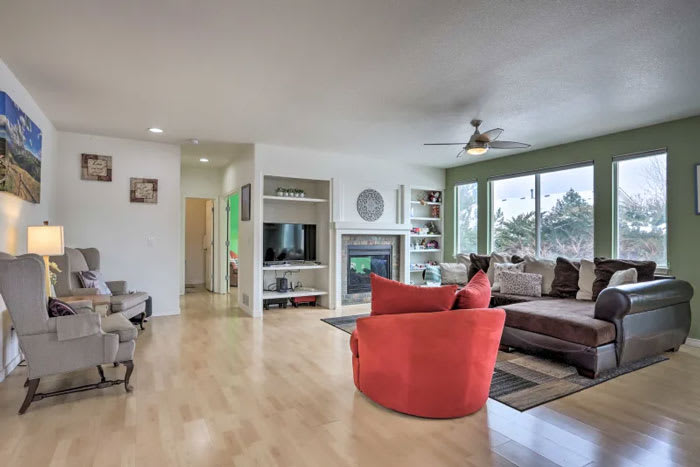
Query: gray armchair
(77, 260)
(63, 344)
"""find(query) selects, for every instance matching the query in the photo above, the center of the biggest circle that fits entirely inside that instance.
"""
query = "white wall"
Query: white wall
(138, 242)
(239, 173)
(16, 214)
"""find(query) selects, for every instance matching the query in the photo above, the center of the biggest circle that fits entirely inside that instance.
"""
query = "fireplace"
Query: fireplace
(364, 260)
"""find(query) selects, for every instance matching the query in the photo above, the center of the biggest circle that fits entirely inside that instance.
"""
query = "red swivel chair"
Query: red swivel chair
(436, 365)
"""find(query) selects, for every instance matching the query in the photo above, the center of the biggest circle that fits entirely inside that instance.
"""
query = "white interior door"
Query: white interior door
(209, 247)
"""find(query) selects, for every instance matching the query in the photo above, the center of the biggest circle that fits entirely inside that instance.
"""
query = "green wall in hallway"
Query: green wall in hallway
(233, 219)
(682, 140)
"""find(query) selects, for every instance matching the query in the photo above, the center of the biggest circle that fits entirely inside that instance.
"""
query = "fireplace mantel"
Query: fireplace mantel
(371, 228)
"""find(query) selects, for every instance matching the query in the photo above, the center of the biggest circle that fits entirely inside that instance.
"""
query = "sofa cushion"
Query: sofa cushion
(496, 258)
(566, 319)
(94, 280)
(565, 283)
(586, 277)
(521, 283)
(57, 308)
(499, 300)
(605, 268)
(477, 293)
(627, 276)
(543, 267)
(499, 268)
(453, 273)
(116, 323)
(392, 297)
(432, 274)
(126, 301)
(477, 263)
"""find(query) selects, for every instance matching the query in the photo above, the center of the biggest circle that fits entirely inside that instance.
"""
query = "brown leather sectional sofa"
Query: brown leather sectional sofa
(625, 324)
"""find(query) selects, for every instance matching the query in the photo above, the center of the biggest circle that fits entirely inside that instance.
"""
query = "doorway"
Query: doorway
(199, 244)
(232, 210)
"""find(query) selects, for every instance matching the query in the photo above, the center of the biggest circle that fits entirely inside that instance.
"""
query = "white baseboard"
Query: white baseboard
(11, 365)
(168, 312)
(692, 342)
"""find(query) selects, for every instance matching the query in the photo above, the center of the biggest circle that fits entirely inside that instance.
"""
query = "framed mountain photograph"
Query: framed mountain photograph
(20, 152)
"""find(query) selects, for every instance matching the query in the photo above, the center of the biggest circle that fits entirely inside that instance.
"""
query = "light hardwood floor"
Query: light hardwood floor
(216, 387)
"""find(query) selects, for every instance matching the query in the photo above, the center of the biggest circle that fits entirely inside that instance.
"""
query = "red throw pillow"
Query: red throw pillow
(391, 297)
(476, 294)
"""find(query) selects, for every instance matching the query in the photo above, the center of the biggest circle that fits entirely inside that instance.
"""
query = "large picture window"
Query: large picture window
(546, 214)
(640, 192)
(467, 218)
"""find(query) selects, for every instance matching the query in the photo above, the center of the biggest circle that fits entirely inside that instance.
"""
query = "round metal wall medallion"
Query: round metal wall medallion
(370, 205)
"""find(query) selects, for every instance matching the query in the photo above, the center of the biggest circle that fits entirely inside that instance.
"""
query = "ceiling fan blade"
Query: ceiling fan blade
(490, 135)
(444, 144)
(459, 154)
(507, 145)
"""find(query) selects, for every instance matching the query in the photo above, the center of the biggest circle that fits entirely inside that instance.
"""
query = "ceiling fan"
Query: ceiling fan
(479, 142)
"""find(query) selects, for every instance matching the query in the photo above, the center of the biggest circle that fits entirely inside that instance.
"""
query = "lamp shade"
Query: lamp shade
(45, 240)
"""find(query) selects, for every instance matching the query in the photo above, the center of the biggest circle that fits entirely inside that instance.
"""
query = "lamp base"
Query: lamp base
(48, 276)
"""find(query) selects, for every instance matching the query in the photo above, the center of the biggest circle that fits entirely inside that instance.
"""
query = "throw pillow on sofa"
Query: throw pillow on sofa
(496, 258)
(521, 283)
(543, 267)
(628, 276)
(565, 283)
(478, 263)
(453, 273)
(58, 308)
(500, 267)
(586, 276)
(94, 280)
(432, 274)
(605, 268)
(391, 297)
(476, 294)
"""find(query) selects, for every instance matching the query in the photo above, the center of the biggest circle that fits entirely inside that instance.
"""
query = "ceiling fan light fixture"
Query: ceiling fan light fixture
(477, 151)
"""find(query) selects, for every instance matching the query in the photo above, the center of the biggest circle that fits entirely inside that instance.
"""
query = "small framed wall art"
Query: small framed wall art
(144, 190)
(697, 188)
(95, 167)
(245, 202)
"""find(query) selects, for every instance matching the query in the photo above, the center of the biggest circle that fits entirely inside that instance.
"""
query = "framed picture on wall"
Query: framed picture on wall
(697, 188)
(245, 202)
(143, 190)
(96, 167)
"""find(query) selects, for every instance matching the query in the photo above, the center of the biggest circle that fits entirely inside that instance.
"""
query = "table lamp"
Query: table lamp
(45, 240)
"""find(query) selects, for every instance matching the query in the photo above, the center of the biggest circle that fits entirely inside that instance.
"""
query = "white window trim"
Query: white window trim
(455, 246)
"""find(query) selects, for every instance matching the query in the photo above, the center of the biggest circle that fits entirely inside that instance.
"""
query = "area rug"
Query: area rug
(525, 381)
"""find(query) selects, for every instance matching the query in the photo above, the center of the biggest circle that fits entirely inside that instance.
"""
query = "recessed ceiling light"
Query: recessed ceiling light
(203, 159)
(155, 130)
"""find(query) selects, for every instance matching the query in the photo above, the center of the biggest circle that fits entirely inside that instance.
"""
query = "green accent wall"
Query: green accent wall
(681, 138)
(234, 216)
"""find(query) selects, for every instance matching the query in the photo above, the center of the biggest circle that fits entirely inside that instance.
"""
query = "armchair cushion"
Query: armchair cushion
(77, 326)
(117, 323)
(127, 301)
(94, 279)
(118, 287)
(58, 308)
(392, 297)
(477, 293)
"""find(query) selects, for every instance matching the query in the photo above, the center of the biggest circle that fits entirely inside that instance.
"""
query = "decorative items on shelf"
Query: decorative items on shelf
(290, 192)
(425, 244)
(432, 229)
(422, 266)
(434, 196)
(435, 211)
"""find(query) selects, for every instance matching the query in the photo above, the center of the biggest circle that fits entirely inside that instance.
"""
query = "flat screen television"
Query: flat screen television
(289, 242)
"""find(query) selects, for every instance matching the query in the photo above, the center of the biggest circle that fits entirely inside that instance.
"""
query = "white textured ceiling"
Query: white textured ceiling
(372, 77)
(220, 155)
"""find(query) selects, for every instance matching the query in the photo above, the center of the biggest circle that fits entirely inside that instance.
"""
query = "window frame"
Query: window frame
(538, 210)
(615, 181)
(456, 237)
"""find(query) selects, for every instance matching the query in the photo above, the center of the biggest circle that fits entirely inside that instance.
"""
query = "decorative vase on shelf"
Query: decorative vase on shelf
(280, 192)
